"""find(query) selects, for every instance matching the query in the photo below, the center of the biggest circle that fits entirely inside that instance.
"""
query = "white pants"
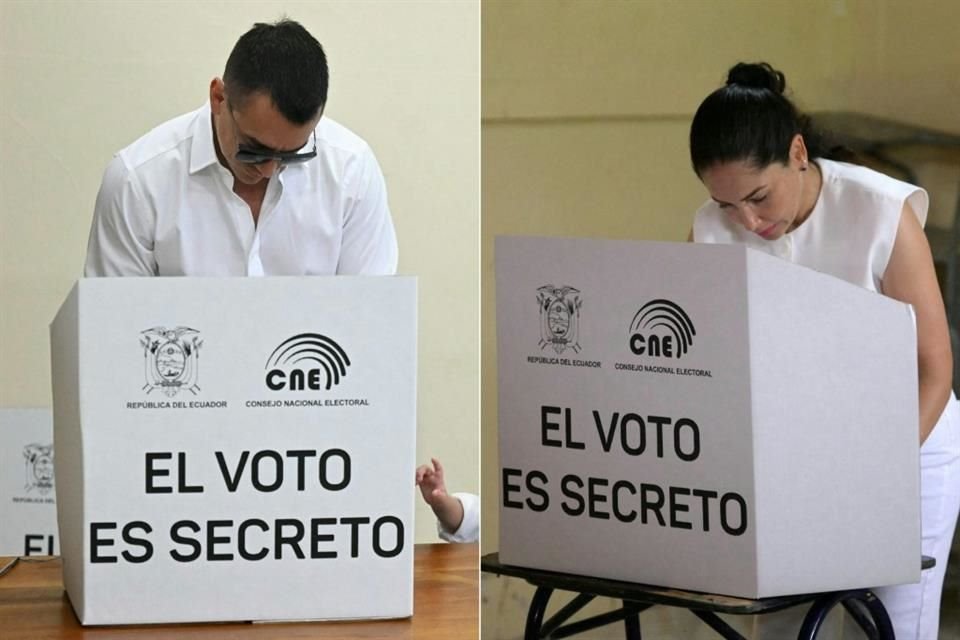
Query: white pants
(914, 608)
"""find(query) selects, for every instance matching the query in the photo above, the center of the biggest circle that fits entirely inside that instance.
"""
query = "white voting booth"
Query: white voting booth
(703, 417)
(28, 502)
(236, 448)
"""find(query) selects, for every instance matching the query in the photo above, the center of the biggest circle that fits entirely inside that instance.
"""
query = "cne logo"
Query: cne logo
(171, 359)
(661, 329)
(285, 371)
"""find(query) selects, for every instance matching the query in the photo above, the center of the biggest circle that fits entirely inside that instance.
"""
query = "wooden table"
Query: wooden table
(446, 603)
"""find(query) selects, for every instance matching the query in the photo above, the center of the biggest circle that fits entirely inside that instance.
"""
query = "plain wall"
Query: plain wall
(586, 114)
(81, 80)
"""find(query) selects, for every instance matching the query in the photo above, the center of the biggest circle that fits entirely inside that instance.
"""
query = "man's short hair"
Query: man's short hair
(283, 61)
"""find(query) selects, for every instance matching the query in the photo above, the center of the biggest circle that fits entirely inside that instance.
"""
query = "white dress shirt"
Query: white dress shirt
(469, 529)
(166, 207)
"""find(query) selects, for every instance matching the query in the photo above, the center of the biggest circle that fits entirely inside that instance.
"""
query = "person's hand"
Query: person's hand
(430, 481)
(449, 510)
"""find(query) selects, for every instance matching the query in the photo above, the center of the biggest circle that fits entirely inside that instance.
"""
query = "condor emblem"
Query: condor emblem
(38, 463)
(171, 359)
(559, 318)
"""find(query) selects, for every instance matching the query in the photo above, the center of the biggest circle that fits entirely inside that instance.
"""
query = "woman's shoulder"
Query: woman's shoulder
(857, 188)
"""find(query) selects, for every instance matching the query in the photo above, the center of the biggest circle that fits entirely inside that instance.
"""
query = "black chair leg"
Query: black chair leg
(538, 607)
(631, 623)
(823, 605)
(858, 611)
(881, 619)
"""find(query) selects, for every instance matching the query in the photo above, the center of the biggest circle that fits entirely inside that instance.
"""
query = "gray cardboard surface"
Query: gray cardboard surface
(658, 345)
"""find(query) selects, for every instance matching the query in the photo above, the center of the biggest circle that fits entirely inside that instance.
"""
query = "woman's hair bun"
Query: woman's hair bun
(757, 75)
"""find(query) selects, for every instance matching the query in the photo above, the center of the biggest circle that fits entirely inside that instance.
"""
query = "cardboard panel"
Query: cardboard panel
(834, 373)
(683, 415)
(28, 511)
(250, 441)
(661, 436)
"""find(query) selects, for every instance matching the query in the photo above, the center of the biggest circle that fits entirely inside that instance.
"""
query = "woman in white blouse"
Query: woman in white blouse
(771, 188)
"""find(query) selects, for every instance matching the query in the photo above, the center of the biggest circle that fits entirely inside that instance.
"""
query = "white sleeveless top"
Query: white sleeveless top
(849, 234)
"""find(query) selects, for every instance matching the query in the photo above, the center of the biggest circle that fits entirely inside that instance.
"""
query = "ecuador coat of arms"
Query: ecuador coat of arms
(171, 359)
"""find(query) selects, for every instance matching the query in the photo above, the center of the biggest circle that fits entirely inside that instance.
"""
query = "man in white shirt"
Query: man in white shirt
(252, 183)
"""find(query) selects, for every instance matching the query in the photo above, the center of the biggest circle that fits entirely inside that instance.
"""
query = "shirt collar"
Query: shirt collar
(202, 152)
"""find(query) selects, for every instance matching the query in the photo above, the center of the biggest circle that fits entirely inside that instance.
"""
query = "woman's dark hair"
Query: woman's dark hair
(749, 120)
(283, 61)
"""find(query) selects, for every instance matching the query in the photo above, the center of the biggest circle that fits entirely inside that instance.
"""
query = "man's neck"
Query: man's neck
(253, 195)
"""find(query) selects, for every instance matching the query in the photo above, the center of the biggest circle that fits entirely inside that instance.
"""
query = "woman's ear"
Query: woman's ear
(798, 153)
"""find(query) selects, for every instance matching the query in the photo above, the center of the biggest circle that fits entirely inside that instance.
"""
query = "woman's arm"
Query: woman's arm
(910, 277)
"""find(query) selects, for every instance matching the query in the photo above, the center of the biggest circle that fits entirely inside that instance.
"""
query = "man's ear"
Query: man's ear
(217, 95)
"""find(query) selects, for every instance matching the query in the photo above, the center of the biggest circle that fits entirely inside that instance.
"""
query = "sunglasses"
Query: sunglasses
(254, 156)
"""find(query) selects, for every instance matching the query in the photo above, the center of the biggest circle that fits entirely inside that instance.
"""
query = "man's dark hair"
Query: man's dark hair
(283, 61)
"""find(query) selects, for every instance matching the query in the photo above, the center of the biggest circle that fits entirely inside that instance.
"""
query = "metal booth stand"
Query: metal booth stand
(865, 608)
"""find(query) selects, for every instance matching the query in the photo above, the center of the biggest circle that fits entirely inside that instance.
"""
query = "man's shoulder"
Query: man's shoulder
(169, 137)
(333, 136)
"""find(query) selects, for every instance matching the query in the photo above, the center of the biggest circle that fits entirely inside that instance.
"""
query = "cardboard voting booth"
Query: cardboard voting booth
(236, 449)
(28, 502)
(704, 417)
